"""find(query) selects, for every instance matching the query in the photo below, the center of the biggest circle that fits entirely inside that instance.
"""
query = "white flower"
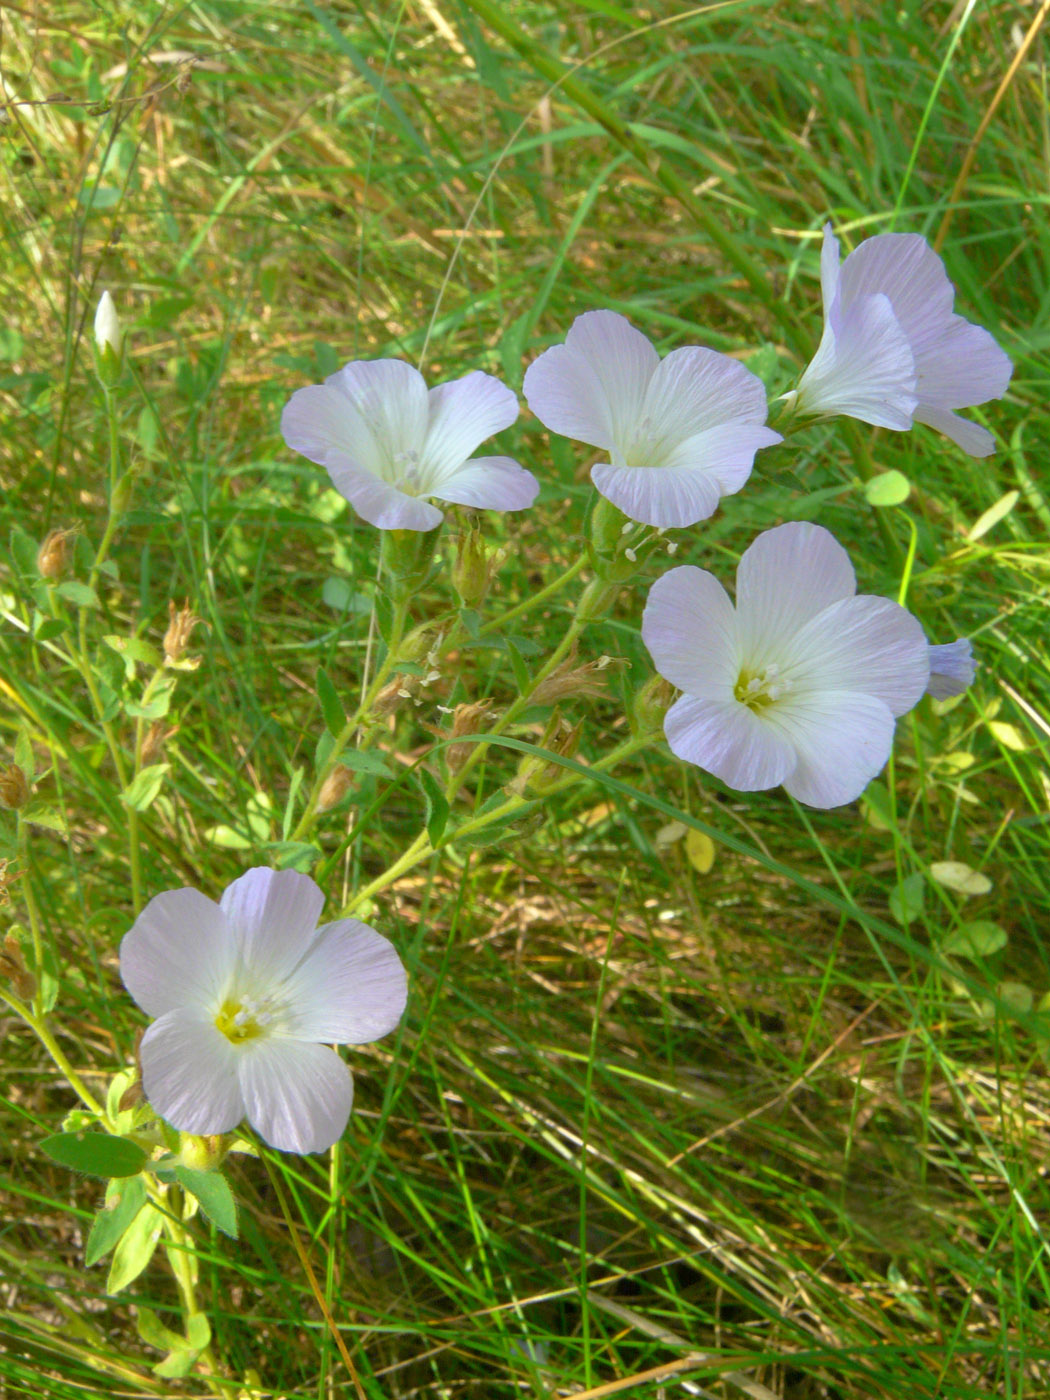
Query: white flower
(109, 333)
(952, 669)
(248, 995)
(893, 352)
(799, 683)
(388, 442)
(680, 432)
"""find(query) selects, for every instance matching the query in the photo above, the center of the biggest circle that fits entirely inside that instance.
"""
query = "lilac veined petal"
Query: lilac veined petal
(689, 627)
(566, 395)
(692, 390)
(842, 741)
(964, 367)
(462, 414)
(667, 497)
(830, 272)
(726, 454)
(490, 483)
(297, 1096)
(380, 503)
(952, 669)
(178, 950)
(273, 915)
(189, 1072)
(786, 576)
(903, 267)
(624, 361)
(729, 740)
(371, 412)
(350, 988)
(971, 437)
(865, 644)
(863, 369)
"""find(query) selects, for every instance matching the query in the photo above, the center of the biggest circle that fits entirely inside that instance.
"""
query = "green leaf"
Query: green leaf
(289, 807)
(154, 1333)
(44, 814)
(99, 1154)
(213, 1192)
(24, 551)
(906, 901)
(366, 761)
(293, 855)
(159, 703)
(135, 1248)
(79, 594)
(46, 629)
(436, 805)
(977, 939)
(132, 650)
(887, 489)
(341, 597)
(331, 705)
(991, 517)
(143, 789)
(125, 1197)
(522, 679)
(956, 875)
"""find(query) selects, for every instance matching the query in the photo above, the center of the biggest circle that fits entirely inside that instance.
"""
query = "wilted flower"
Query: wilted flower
(388, 442)
(14, 787)
(952, 669)
(893, 352)
(799, 683)
(249, 993)
(52, 558)
(680, 432)
(181, 625)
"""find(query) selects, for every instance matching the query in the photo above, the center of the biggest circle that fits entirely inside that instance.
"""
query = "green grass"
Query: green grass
(644, 1131)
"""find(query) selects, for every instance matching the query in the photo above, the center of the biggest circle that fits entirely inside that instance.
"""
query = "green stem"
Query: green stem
(349, 729)
(32, 912)
(498, 623)
(42, 1031)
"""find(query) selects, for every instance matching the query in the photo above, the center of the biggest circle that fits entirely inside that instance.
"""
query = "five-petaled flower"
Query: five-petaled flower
(388, 442)
(249, 994)
(800, 683)
(893, 352)
(680, 432)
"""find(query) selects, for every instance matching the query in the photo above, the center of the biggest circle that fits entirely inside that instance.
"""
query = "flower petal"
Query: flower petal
(971, 437)
(666, 497)
(297, 1096)
(371, 414)
(952, 669)
(964, 367)
(726, 453)
(863, 369)
(593, 387)
(189, 1072)
(179, 950)
(489, 483)
(903, 267)
(694, 389)
(729, 740)
(868, 645)
(689, 627)
(842, 741)
(350, 987)
(462, 414)
(380, 503)
(830, 274)
(786, 576)
(273, 915)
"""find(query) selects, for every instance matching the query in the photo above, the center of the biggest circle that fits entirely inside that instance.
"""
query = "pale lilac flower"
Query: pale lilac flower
(799, 683)
(893, 352)
(388, 442)
(249, 993)
(680, 432)
(952, 669)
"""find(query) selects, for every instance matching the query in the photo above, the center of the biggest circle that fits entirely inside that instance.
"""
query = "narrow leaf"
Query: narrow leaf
(213, 1192)
(124, 1199)
(135, 1248)
(331, 705)
(99, 1154)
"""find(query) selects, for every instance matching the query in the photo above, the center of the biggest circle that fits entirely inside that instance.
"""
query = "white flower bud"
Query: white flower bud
(108, 330)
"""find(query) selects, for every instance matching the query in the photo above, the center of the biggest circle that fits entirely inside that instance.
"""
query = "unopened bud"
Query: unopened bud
(52, 559)
(650, 706)
(13, 968)
(181, 623)
(334, 788)
(109, 342)
(472, 567)
(14, 790)
(388, 700)
(201, 1154)
(465, 720)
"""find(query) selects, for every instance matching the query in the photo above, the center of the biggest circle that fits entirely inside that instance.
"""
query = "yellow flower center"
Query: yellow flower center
(758, 689)
(242, 1019)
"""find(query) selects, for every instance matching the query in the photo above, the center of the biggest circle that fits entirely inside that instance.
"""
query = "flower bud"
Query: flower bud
(472, 568)
(109, 342)
(465, 720)
(52, 559)
(201, 1154)
(13, 968)
(650, 706)
(181, 623)
(569, 681)
(14, 789)
(334, 788)
(157, 736)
